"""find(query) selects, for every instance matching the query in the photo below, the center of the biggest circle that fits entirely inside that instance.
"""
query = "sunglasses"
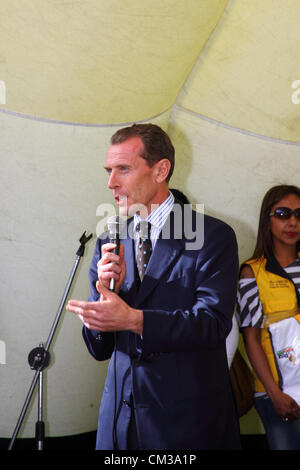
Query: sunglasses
(285, 213)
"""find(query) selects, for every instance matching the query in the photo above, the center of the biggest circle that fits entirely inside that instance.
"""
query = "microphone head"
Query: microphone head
(114, 225)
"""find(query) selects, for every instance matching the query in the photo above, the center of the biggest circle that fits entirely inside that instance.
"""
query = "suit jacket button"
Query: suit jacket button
(126, 402)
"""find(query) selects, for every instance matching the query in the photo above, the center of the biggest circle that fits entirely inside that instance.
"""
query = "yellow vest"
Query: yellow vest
(277, 295)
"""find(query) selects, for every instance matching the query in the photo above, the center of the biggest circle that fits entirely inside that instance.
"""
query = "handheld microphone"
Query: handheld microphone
(114, 225)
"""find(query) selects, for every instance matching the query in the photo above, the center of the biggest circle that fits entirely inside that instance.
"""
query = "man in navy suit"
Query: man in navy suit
(168, 384)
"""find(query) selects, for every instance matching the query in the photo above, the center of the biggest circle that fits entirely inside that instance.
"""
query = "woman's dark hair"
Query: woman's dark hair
(157, 144)
(264, 242)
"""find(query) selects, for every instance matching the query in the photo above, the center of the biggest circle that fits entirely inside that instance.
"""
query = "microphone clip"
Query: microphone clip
(83, 240)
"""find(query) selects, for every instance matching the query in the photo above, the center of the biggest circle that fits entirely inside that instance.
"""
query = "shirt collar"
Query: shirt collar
(158, 217)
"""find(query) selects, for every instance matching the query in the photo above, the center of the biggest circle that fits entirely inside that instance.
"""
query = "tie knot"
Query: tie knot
(143, 228)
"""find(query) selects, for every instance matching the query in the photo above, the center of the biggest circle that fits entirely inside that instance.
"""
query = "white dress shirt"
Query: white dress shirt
(156, 218)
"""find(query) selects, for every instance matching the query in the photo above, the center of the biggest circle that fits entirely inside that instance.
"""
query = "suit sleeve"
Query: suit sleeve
(99, 344)
(208, 321)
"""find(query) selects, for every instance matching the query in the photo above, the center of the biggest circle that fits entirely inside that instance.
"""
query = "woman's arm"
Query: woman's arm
(284, 405)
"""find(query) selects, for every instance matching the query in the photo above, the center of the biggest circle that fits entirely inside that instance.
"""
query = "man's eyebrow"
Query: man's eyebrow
(117, 166)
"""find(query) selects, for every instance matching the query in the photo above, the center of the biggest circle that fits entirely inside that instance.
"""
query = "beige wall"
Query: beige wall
(216, 74)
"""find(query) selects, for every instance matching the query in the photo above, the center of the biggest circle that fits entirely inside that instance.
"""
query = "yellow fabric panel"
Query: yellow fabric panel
(276, 294)
(100, 61)
(244, 75)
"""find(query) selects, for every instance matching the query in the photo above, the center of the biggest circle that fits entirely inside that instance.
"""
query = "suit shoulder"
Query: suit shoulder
(217, 224)
(211, 223)
(217, 229)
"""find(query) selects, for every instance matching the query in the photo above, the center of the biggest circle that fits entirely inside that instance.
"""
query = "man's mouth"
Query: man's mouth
(120, 199)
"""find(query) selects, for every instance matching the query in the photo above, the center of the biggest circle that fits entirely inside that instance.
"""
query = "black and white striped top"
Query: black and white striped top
(249, 309)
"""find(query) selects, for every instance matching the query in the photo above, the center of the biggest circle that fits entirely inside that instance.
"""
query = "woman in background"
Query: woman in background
(268, 295)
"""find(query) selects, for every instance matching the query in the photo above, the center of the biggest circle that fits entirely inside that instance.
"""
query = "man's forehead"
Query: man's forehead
(127, 150)
(132, 144)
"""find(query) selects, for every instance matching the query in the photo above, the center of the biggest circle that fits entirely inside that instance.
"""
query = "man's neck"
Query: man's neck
(159, 199)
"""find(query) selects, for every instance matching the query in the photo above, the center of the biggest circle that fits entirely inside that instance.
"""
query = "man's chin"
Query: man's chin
(126, 209)
(122, 206)
(123, 210)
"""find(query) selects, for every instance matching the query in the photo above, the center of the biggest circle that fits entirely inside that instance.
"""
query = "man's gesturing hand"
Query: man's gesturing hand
(110, 314)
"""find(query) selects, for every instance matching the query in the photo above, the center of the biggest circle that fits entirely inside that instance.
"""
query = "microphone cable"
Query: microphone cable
(114, 431)
(113, 225)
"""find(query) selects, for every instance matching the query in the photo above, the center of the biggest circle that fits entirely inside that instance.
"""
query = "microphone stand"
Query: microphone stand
(39, 359)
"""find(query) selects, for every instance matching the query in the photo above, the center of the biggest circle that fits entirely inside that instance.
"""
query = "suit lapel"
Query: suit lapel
(164, 254)
(167, 249)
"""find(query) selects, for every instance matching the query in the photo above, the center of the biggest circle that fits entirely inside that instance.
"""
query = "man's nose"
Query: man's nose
(112, 180)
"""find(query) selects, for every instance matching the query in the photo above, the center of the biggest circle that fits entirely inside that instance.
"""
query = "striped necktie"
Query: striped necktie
(144, 247)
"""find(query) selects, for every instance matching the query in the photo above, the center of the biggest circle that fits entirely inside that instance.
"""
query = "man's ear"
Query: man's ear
(162, 168)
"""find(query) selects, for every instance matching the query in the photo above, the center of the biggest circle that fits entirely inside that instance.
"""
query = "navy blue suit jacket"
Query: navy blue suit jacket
(177, 373)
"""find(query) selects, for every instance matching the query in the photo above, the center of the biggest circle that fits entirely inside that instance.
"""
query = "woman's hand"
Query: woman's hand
(284, 405)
